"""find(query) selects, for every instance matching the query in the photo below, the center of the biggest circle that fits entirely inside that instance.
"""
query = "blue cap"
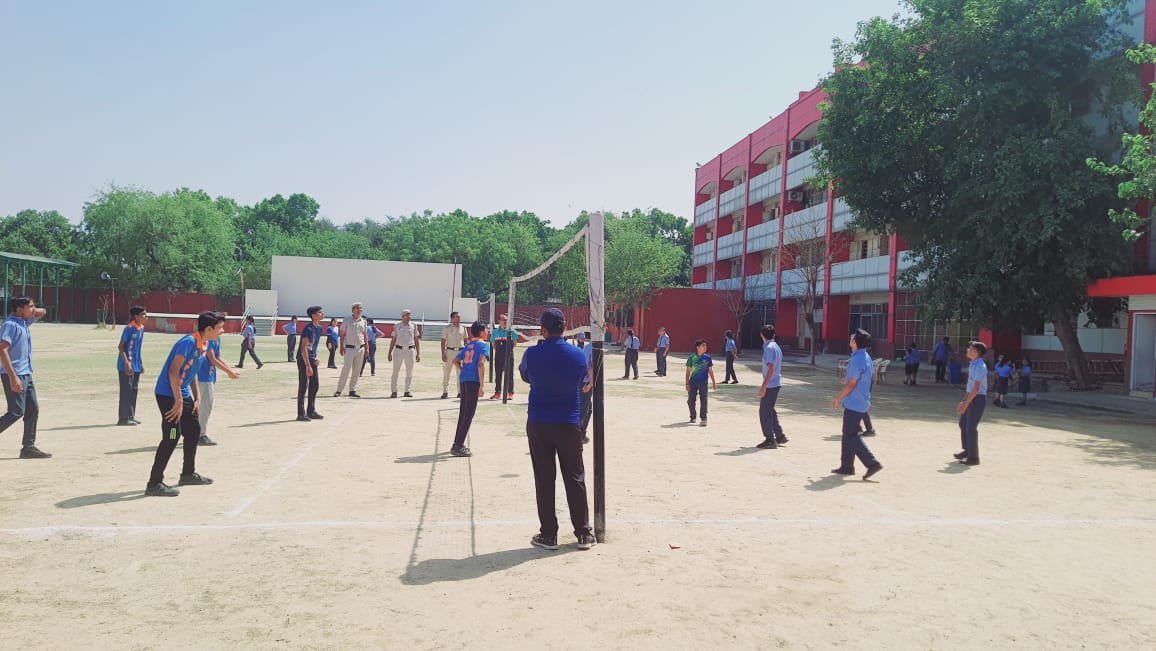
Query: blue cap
(552, 319)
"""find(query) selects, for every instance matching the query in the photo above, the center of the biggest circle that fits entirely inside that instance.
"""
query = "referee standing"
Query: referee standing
(453, 339)
(403, 347)
(352, 346)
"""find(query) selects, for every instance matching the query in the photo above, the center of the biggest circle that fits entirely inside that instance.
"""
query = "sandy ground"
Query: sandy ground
(360, 531)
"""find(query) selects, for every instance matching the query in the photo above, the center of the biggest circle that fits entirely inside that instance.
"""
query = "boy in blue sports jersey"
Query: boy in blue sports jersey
(178, 399)
(129, 365)
(207, 385)
(699, 366)
(471, 363)
(307, 364)
(856, 400)
(16, 373)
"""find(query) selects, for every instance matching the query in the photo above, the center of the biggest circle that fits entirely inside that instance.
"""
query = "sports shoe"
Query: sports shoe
(586, 540)
(303, 418)
(33, 452)
(160, 489)
(393, 395)
(968, 461)
(125, 423)
(510, 394)
(872, 470)
(692, 420)
(205, 440)
(781, 440)
(702, 423)
(625, 377)
(407, 394)
(445, 395)
(354, 394)
(545, 542)
(767, 444)
(843, 471)
(259, 366)
(869, 432)
(194, 479)
(962, 454)
(336, 394)
(495, 397)
(315, 416)
(134, 421)
(461, 452)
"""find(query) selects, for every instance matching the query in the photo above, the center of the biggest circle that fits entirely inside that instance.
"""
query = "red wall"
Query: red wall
(687, 314)
(81, 305)
(837, 322)
(787, 318)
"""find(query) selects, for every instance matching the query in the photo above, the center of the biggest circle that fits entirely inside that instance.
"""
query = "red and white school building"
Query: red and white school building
(753, 212)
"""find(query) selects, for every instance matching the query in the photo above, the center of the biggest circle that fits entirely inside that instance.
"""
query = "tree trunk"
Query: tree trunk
(810, 317)
(1074, 354)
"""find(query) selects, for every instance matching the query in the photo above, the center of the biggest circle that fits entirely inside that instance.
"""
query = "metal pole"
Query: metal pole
(41, 303)
(595, 261)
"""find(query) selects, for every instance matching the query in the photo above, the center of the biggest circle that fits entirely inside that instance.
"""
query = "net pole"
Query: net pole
(492, 316)
(508, 373)
(595, 262)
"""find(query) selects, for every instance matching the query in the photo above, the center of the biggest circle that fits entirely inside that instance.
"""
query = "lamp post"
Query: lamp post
(112, 287)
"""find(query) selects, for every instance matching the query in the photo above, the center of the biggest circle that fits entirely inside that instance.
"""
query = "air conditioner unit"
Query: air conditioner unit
(795, 196)
(798, 146)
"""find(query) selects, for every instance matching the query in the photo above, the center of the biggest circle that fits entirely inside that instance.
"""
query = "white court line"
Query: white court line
(269, 483)
(785, 523)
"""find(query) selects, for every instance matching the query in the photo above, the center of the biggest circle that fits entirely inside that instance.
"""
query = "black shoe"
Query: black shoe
(205, 440)
(635, 377)
(586, 540)
(843, 471)
(134, 421)
(259, 366)
(194, 479)
(869, 432)
(393, 395)
(303, 418)
(967, 461)
(625, 377)
(872, 470)
(962, 454)
(545, 542)
(781, 440)
(354, 394)
(461, 452)
(336, 394)
(315, 416)
(445, 395)
(407, 394)
(768, 444)
(125, 423)
(702, 423)
(692, 420)
(160, 489)
(33, 452)
(332, 367)
(1003, 404)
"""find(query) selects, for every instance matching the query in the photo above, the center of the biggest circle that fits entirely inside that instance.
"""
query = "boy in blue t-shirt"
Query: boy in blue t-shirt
(249, 343)
(699, 367)
(971, 409)
(129, 365)
(856, 400)
(471, 364)
(307, 362)
(178, 398)
(16, 373)
(207, 385)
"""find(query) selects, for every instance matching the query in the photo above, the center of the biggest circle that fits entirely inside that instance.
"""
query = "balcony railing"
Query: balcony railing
(760, 287)
(801, 167)
(703, 253)
(842, 216)
(732, 200)
(704, 213)
(805, 224)
(705, 285)
(728, 283)
(730, 245)
(766, 185)
(763, 236)
(858, 276)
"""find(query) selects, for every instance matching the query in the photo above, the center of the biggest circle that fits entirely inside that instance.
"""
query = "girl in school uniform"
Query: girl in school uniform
(911, 364)
(332, 334)
(1003, 373)
(1025, 382)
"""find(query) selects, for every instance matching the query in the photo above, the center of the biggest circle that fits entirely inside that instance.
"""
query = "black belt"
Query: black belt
(348, 346)
(403, 347)
(448, 348)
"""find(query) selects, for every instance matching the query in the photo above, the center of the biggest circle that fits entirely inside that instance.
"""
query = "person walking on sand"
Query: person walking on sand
(856, 400)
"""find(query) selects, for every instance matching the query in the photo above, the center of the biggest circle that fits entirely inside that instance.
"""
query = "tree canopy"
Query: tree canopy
(187, 241)
(964, 127)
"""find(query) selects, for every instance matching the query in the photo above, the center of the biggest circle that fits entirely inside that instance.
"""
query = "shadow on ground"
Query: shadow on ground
(436, 570)
(99, 498)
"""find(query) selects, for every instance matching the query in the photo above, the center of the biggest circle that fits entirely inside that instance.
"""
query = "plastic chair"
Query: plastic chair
(881, 370)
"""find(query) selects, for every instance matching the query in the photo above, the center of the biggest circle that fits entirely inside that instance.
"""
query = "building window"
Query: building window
(872, 317)
(709, 234)
(767, 264)
(736, 268)
(738, 222)
(771, 214)
(710, 273)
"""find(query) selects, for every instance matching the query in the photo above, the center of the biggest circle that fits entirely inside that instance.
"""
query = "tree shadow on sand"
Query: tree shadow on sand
(436, 570)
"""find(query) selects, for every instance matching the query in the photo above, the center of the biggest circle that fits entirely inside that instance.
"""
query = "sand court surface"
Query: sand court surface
(361, 531)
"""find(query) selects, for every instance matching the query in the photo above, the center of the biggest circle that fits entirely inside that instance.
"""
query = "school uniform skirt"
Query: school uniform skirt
(1001, 384)
(1025, 384)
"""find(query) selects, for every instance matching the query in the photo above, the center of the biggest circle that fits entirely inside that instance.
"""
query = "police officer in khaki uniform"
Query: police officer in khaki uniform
(404, 346)
(454, 338)
(351, 344)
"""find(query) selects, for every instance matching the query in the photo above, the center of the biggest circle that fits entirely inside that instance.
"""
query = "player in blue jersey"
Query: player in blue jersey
(471, 364)
(178, 399)
(129, 365)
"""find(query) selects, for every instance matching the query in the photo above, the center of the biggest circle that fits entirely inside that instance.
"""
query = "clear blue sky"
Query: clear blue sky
(387, 108)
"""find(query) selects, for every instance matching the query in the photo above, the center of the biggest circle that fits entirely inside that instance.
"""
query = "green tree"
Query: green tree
(637, 264)
(966, 132)
(34, 232)
(1138, 165)
(178, 241)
